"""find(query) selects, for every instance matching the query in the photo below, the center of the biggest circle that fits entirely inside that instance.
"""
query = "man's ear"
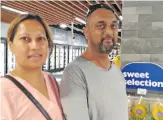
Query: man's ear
(116, 36)
(85, 30)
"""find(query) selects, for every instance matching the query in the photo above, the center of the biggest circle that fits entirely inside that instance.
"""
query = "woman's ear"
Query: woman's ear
(10, 45)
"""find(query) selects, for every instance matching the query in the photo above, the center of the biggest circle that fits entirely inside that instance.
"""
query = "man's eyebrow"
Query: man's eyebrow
(104, 22)
(115, 21)
(100, 22)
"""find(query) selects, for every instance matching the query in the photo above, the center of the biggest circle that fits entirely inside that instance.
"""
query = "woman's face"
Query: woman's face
(30, 44)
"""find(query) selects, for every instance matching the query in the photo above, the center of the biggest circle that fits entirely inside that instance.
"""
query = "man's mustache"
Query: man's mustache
(108, 37)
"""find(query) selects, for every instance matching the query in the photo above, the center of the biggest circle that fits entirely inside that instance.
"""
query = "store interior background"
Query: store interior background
(67, 46)
(142, 33)
(142, 41)
(140, 38)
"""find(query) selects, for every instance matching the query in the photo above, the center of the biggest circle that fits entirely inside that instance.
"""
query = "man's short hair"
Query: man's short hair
(97, 6)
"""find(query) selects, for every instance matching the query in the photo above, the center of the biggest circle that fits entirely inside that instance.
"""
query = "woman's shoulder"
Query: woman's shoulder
(9, 91)
(51, 77)
(48, 75)
(6, 84)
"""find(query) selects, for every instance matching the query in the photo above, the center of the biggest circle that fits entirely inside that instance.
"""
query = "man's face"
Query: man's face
(102, 30)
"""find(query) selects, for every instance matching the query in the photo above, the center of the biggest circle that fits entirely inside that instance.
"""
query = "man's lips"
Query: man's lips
(108, 40)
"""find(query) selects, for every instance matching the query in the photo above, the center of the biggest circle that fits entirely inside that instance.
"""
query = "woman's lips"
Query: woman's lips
(35, 57)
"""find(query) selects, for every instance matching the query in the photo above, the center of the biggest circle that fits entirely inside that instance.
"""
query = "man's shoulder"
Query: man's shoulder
(76, 64)
(115, 67)
(74, 72)
(76, 67)
(73, 66)
(117, 71)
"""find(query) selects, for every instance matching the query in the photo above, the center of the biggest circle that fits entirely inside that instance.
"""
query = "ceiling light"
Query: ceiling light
(80, 20)
(63, 25)
(121, 18)
(13, 10)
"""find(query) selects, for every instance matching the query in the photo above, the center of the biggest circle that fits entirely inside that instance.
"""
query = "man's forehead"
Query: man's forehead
(102, 14)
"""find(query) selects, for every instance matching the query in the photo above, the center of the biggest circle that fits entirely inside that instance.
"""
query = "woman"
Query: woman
(30, 41)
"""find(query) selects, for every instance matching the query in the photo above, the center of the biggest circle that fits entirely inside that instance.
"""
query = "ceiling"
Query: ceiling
(55, 12)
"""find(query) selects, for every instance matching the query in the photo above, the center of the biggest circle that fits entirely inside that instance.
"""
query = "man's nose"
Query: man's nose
(109, 31)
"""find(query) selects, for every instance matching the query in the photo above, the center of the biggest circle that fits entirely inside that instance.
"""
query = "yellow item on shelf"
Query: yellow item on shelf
(117, 62)
(157, 111)
(129, 114)
(139, 110)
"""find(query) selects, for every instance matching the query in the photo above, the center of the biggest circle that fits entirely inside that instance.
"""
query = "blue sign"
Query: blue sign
(143, 75)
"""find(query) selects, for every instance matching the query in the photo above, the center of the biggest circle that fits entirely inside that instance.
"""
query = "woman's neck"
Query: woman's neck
(33, 76)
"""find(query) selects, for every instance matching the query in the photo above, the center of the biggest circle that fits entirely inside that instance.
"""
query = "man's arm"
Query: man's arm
(73, 93)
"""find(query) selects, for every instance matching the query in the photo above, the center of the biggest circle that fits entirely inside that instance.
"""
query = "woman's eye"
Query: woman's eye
(41, 38)
(24, 38)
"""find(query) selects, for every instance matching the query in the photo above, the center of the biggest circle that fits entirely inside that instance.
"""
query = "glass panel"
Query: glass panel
(2, 60)
(66, 55)
(70, 54)
(11, 61)
(52, 60)
(61, 56)
(57, 56)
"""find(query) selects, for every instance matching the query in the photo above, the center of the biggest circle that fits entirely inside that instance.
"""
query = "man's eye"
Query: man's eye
(101, 26)
(114, 26)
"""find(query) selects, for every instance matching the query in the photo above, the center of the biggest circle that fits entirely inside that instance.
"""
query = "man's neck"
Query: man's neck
(99, 59)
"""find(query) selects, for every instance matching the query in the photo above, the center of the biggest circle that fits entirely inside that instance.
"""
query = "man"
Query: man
(92, 88)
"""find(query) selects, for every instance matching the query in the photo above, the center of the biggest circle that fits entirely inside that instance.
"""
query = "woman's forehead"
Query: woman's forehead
(30, 26)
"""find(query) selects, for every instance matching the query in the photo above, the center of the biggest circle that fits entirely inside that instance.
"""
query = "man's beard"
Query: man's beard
(106, 49)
